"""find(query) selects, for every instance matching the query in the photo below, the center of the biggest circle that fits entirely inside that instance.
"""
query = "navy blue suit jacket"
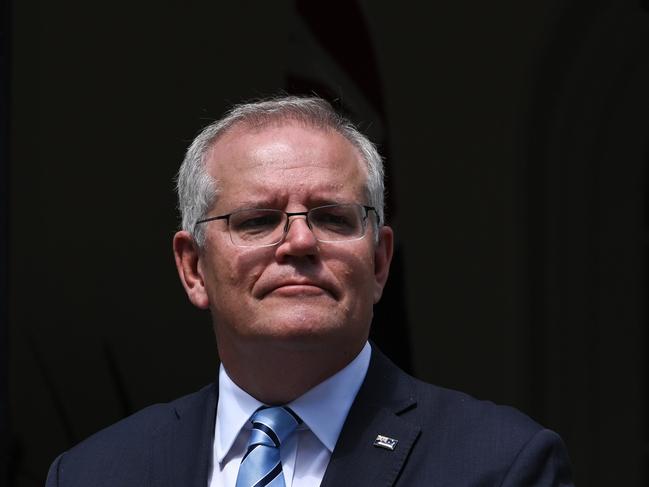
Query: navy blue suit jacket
(445, 438)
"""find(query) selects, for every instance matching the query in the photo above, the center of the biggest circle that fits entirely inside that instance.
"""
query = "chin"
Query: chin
(301, 325)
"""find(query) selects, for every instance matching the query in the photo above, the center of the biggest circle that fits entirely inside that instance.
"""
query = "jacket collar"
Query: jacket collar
(379, 411)
(182, 449)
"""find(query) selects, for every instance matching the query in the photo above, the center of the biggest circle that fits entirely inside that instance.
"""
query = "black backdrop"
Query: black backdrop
(516, 142)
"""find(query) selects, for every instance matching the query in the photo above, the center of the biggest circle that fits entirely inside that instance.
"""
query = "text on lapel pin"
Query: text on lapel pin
(385, 442)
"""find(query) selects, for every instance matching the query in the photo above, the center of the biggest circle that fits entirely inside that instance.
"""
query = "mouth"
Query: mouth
(297, 288)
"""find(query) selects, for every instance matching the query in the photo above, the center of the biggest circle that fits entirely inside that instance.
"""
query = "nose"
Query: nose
(299, 239)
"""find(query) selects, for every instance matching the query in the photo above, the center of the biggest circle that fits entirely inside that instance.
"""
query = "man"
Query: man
(284, 242)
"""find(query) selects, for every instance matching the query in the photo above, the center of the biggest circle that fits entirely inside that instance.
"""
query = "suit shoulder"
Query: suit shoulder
(463, 411)
(146, 421)
(451, 410)
(126, 444)
(480, 442)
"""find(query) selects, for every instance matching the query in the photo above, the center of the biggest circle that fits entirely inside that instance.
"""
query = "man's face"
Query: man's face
(300, 292)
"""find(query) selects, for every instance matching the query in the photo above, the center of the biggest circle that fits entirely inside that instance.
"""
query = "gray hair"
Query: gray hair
(197, 190)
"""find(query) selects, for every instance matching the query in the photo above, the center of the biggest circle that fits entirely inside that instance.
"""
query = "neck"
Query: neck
(281, 373)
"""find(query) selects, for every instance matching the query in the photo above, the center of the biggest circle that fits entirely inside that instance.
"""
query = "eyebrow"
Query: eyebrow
(260, 203)
(272, 203)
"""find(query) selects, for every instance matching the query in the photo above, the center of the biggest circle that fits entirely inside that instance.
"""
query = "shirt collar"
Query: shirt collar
(233, 411)
(323, 408)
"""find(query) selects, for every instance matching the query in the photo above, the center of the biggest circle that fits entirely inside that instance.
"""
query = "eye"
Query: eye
(332, 218)
(260, 221)
(340, 219)
(251, 221)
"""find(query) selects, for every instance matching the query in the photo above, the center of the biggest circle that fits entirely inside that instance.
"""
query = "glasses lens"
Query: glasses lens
(335, 223)
(251, 228)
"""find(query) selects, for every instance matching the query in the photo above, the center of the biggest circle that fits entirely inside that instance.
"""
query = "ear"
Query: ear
(187, 255)
(382, 258)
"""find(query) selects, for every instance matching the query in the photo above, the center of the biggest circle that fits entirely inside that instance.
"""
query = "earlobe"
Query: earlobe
(382, 259)
(187, 256)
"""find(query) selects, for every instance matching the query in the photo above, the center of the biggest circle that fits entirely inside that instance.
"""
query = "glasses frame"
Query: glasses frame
(288, 214)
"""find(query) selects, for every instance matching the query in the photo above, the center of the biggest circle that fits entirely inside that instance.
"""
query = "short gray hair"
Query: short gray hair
(197, 190)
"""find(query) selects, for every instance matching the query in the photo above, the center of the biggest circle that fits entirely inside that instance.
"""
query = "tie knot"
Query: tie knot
(261, 465)
(271, 426)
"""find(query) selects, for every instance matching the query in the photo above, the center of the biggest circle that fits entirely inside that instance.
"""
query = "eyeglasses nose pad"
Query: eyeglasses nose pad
(289, 222)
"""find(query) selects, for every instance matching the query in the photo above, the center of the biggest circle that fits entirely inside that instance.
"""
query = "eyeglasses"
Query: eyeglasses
(260, 227)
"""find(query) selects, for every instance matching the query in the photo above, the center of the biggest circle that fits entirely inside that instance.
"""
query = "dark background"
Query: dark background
(516, 142)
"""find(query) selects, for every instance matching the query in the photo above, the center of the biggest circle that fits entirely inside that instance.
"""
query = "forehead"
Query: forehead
(280, 162)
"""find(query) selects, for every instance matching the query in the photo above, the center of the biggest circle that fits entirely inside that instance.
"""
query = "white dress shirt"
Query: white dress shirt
(305, 454)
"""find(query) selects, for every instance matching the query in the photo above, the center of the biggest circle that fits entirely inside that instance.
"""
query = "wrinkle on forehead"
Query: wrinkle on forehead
(277, 154)
(279, 164)
(273, 153)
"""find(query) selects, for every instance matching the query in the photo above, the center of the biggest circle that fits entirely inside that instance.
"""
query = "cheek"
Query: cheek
(356, 273)
(236, 273)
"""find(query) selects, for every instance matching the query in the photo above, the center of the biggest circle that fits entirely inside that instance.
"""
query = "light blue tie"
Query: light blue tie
(261, 465)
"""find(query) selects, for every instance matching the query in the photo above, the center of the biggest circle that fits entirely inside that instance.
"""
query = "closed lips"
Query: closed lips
(267, 289)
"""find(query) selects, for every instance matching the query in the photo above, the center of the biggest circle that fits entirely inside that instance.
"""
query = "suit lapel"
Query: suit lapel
(386, 395)
(182, 451)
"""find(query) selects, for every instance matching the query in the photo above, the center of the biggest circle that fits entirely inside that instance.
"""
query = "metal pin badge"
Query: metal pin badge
(385, 442)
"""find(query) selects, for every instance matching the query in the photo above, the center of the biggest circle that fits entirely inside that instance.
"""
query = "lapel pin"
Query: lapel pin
(385, 442)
